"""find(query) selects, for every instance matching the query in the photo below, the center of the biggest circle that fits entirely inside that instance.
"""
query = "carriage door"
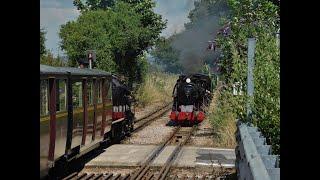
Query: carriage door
(106, 90)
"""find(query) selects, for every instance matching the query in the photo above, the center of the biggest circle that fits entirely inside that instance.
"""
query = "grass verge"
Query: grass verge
(157, 88)
(222, 120)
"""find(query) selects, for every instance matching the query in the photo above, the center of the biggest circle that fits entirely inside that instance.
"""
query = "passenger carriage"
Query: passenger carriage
(79, 110)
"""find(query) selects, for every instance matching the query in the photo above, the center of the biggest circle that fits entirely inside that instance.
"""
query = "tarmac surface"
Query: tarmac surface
(129, 155)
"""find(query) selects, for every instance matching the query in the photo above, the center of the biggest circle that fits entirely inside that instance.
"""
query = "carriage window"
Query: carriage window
(77, 94)
(61, 95)
(99, 91)
(109, 90)
(44, 98)
(90, 92)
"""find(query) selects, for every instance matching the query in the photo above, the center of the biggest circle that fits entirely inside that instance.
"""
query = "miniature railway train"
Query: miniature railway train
(191, 95)
(79, 110)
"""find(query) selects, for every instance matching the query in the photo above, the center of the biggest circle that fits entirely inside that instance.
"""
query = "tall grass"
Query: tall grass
(222, 120)
(156, 88)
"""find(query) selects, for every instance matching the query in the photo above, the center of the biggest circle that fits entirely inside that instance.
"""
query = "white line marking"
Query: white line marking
(215, 164)
(217, 149)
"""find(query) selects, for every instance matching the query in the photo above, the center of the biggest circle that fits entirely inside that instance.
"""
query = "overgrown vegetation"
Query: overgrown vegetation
(257, 19)
(222, 119)
(157, 87)
(245, 19)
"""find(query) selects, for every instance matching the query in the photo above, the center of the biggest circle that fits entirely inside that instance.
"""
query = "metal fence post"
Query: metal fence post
(250, 83)
(278, 38)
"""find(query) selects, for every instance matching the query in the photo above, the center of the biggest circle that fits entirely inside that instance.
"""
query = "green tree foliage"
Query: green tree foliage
(167, 56)
(257, 19)
(205, 9)
(42, 42)
(119, 34)
(49, 59)
(142, 67)
(93, 4)
(149, 19)
(46, 57)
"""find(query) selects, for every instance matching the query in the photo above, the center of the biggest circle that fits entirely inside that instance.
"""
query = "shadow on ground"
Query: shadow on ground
(61, 171)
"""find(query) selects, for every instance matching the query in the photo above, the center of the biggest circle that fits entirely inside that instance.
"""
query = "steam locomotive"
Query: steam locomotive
(80, 109)
(191, 96)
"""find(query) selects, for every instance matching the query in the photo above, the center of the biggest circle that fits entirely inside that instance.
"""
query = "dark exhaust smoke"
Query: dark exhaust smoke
(192, 40)
(192, 44)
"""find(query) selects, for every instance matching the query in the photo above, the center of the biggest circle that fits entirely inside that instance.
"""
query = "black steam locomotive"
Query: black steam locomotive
(191, 94)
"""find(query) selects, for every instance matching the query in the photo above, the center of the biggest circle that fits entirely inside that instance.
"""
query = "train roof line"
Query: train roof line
(45, 69)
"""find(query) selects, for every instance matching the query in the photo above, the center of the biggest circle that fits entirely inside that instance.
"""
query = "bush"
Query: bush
(257, 19)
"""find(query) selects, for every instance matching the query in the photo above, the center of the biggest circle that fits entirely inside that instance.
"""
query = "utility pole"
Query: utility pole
(90, 60)
(91, 55)
(250, 80)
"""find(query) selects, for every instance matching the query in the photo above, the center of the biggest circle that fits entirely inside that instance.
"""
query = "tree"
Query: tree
(49, 59)
(42, 42)
(46, 57)
(93, 4)
(117, 34)
(149, 19)
(204, 9)
(167, 56)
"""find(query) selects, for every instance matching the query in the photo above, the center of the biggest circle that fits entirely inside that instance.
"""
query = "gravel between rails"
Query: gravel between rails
(199, 172)
(155, 133)
(142, 111)
(203, 136)
(105, 170)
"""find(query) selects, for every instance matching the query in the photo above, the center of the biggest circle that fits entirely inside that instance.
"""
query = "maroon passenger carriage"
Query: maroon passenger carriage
(79, 110)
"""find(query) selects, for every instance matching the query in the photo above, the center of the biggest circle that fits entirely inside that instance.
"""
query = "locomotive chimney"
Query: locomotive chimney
(83, 63)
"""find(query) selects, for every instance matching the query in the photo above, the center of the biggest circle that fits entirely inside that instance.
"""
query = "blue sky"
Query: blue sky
(54, 13)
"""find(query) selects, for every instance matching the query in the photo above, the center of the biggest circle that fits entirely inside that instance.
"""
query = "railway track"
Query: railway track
(139, 124)
(179, 137)
(161, 108)
(111, 176)
(144, 121)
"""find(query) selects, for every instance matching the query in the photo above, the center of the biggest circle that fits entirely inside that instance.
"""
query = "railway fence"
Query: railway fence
(255, 160)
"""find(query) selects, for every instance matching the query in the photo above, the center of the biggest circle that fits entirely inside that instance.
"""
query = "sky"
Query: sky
(54, 13)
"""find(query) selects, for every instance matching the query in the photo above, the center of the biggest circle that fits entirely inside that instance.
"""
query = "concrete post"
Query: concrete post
(250, 80)
(278, 38)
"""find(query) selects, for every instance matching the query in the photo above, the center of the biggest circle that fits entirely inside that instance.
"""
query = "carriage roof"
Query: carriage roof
(50, 70)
